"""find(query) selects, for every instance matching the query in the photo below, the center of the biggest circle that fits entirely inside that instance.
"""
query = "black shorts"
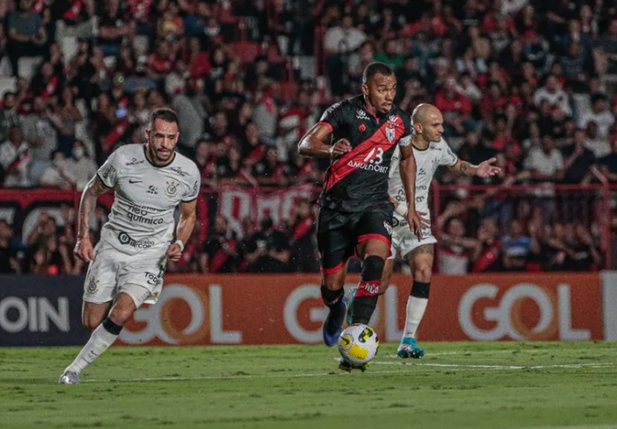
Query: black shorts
(338, 233)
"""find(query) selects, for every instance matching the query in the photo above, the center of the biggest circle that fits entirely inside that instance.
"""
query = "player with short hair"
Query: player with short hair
(430, 151)
(126, 267)
(359, 136)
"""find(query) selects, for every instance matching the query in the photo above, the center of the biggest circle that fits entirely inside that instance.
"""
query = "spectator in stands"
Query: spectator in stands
(41, 133)
(457, 249)
(585, 255)
(66, 120)
(515, 247)
(561, 251)
(15, 158)
(269, 171)
(302, 224)
(606, 168)
(553, 93)
(26, 34)
(58, 175)
(8, 114)
(600, 114)
(544, 163)
(273, 249)
(112, 27)
(606, 50)
(577, 159)
(456, 109)
(12, 251)
(488, 254)
(339, 42)
(220, 250)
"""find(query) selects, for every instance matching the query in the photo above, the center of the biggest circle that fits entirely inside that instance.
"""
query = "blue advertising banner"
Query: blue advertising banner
(41, 311)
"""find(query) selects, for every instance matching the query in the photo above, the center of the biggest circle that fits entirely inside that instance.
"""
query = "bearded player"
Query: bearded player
(430, 151)
(127, 265)
(359, 136)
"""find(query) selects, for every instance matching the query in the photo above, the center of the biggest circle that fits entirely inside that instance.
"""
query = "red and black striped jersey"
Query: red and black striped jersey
(358, 180)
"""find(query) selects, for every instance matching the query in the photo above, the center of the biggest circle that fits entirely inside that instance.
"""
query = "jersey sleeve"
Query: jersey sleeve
(192, 190)
(448, 158)
(405, 140)
(108, 172)
(333, 117)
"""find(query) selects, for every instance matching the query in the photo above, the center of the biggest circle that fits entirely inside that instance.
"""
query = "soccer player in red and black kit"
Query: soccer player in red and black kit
(359, 136)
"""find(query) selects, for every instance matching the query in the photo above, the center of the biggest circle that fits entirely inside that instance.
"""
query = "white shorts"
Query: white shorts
(111, 272)
(404, 240)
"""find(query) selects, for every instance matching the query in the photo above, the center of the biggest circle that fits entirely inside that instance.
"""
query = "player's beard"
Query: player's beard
(157, 156)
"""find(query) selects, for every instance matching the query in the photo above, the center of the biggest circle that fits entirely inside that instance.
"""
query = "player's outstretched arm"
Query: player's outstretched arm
(408, 176)
(316, 144)
(484, 169)
(83, 246)
(184, 230)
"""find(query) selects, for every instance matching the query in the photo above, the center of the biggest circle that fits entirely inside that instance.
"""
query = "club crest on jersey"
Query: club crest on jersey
(172, 188)
(92, 286)
(390, 134)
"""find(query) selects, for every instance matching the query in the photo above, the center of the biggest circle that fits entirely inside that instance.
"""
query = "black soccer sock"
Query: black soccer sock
(331, 297)
(111, 327)
(420, 289)
(367, 294)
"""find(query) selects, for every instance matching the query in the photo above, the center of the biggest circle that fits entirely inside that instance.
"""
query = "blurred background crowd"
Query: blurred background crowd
(531, 82)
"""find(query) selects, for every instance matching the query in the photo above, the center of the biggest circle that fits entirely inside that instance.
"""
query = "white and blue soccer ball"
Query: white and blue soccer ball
(358, 344)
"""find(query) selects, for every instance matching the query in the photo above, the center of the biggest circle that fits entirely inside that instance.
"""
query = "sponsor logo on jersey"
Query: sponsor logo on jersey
(126, 239)
(196, 187)
(179, 171)
(172, 188)
(139, 214)
(361, 114)
(153, 279)
(152, 190)
(422, 172)
(421, 187)
(388, 227)
(131, 181)
(368, 167)
(419, 199)
(135, 161)
(362, 128)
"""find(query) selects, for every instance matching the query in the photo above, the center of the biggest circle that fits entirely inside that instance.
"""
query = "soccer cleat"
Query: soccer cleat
(333, 325)
(409, 349)
(69, 377)
(344, 365)
(350, 307)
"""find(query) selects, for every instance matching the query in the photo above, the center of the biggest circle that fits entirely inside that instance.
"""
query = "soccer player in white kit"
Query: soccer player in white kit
(430, 151)
(126, 267)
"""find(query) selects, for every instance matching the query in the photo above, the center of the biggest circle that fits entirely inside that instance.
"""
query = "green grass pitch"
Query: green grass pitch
(457, 385)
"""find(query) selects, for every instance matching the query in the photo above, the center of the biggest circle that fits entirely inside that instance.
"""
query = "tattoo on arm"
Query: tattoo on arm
(87, 204)
(464, 168)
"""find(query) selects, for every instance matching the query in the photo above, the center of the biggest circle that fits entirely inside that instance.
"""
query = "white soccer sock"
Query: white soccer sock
(415, 311)
(99, 341)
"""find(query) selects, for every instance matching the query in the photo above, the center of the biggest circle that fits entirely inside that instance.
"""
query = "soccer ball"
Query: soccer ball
(358, 344)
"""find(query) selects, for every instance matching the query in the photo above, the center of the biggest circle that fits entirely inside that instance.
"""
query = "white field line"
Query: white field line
(330, 374)
(480, 366)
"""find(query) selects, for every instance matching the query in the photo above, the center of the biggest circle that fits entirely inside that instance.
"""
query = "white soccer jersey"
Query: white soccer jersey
(427, 161)
(145, 197)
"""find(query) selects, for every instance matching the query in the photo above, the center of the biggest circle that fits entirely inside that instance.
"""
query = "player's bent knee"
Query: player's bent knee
(423, 274)
(91, 323)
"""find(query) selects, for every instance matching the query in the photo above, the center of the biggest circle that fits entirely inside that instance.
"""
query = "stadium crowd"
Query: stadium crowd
(531, 82)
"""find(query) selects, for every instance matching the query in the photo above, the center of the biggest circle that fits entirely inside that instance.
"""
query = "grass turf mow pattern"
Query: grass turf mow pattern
(457, 385)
